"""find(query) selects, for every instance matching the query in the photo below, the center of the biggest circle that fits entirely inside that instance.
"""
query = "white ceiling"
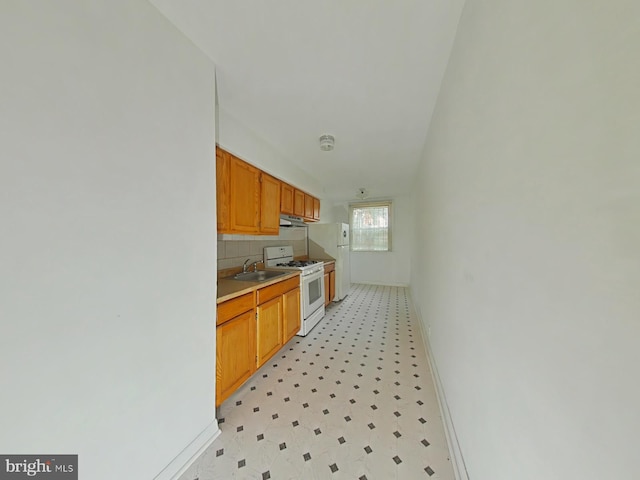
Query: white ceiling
(366, 71)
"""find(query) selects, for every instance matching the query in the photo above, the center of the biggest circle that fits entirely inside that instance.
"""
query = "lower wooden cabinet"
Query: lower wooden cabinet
(329, 282)
(291, 317)
(235, 354)
(251, 329)
(269, 329)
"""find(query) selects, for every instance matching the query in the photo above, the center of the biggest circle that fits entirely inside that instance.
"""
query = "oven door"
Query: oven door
(312, 293)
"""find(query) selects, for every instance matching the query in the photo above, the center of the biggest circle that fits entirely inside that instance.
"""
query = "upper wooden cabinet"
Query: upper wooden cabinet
(249, 201)
(223, 196)
(298, 203)
(244, 197)
(286, 198)
(308, 206)
(269, 204)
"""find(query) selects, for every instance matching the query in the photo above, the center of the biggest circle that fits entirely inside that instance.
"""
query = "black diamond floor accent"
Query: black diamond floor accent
(333, 467)
(397, 460)
(429, 471)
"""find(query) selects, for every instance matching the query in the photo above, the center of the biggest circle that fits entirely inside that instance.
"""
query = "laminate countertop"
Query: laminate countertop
(229, 288)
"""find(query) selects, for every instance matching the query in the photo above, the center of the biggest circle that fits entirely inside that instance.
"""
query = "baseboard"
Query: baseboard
(457, 461)
(183, 461)
(384, 284)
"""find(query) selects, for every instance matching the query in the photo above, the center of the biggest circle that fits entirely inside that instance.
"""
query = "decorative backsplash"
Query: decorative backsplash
(233, 250)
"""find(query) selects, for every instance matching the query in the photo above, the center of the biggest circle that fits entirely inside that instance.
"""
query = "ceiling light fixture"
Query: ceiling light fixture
(327, 142)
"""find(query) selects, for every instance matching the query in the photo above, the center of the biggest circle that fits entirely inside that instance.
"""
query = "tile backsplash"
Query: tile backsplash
(233, 250)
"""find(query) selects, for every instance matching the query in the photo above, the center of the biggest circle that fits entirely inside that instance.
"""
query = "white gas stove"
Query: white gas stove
(311, 283)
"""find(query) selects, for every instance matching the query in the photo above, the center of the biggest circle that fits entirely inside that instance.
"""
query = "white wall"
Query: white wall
(241, 140)
(528, 225)
(389, 268)
(107, 296)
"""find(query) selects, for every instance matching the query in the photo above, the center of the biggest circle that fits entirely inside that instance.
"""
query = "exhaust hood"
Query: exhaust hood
(291, 221)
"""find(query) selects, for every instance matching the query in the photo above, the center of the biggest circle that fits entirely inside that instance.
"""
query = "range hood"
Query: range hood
(291, 221)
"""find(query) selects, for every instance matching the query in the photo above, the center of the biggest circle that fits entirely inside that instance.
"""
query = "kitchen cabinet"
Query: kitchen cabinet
(269, 204)
(298, 203)
(235, 344)
(244, 196)
(278, 314)
(286, 198)
(223, 196)
(252, 328)
(308, 206)
(329, 282)
(269, 329)
(291, 314)
(248, 199)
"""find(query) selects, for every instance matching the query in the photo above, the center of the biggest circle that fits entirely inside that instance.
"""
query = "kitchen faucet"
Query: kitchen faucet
(245, 269)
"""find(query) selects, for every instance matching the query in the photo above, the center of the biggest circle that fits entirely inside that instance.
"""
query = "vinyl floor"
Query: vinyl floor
(354, 399)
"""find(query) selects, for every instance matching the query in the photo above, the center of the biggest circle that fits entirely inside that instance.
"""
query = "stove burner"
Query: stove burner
(297, 263)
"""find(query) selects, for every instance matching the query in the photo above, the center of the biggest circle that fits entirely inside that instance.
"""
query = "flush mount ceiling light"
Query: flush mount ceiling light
(327, 142)
(362, 193)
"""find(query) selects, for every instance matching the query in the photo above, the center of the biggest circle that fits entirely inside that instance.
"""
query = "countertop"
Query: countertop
(228, 289)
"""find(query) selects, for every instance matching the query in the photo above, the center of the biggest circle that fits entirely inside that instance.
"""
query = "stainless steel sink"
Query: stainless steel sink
(259, 276)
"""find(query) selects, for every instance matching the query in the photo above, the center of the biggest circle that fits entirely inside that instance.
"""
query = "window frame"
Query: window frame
(372, 204)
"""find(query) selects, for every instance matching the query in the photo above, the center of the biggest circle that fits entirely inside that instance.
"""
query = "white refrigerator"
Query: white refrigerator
(330, 241)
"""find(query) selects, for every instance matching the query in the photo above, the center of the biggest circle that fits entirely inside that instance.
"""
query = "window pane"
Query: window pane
(370, 228)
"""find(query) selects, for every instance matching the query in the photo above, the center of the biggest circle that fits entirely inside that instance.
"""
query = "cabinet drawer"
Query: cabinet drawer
(267, 293)
(329, 267)
(234, 307)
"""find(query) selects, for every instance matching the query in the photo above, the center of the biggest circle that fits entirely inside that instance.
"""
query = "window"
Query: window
(371, 227)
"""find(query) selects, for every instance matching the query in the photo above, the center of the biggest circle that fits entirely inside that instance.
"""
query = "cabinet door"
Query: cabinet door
(298, 203)
(327, 297)
(286, 199)
(291, 309)
(308, 206)
(222, 190)
(245, 196)
(332, 285)
(316, 209)
(269, 331)
(269, 204)
(235, 354)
